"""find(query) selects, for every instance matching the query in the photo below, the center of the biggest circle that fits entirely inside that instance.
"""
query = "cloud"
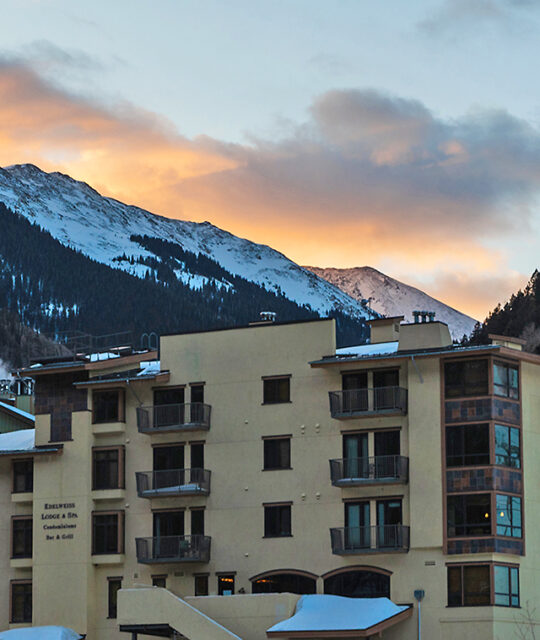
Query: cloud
(368, 178)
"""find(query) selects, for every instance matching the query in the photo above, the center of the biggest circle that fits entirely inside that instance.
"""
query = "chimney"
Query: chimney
(424, 333)
(265, 317)
(384, 329)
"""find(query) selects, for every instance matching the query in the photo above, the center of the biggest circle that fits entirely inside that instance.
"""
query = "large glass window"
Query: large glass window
(505, 380)
(467, 445)
(276, 390)
(107, 533)
(21, 601)
(277, 521)
(469, 515)
(23, 476)
(509, 516)
(358, 584)
(108, 406)
(507, 446)
(277, 453)
(284, 583)
(469, 586)
(467, 378)
(107, 470)
(226, 584)
(506, 581)
(21, 537)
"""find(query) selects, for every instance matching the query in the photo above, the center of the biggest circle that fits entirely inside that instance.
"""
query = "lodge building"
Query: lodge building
(201, 491)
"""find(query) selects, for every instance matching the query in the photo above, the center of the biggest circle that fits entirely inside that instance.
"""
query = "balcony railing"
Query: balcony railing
(379, 539)
(351, 472)
(173, 417)
(173, 482)
(358, 402)
(163, 549)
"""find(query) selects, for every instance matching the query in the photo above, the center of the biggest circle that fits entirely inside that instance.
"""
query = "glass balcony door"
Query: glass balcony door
(356, 398)
(357, 529)
(389, 519)
(384, 389)
(355, 456)
(168, 525)
(387, 451)
(168, 407)
(168, 467)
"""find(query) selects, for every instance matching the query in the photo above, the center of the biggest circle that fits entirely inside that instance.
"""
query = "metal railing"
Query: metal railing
(173, 482)
(76, 344)
(357, 471)
(173, 417)
(344, 404)
(377, 539)
(195, 548)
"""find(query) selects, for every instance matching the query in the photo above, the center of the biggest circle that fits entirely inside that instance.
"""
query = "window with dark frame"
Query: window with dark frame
(159, 581)
(226, 584)
(277, 521)
(507, 446)
(277, 453)
(115, 584)
(21, 537)
(509, 516)
(107, 533)
(506, 380)
(108, 406)
(506, 586)
(469, 515)
(201, 585)
(466, 378)
(21, 601)
(471, 585)
(284, 583)
(467, 445)
(23, 476)
(108, 468)
(197, 522)
(276, 390)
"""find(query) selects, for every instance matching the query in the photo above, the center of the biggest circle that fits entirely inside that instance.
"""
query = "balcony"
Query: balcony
(173, 549)
(389, 538)
(356, 403)
(355, 472)
(173, 482)
(173, 417)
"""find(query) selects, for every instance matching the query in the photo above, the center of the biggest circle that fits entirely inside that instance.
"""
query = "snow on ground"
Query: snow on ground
(40, 633)
(19, 412)
(22, 440)
(337, 613)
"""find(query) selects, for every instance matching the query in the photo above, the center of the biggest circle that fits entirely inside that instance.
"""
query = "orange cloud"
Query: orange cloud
(370, 179)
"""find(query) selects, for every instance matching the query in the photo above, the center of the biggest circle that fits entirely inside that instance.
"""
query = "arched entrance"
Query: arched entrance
(300, 582)
(358, 582)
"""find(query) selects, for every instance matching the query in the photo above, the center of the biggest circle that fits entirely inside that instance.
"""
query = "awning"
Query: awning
(325, 616)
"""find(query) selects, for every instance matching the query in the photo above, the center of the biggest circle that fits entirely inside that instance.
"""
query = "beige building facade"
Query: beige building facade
(240, 469)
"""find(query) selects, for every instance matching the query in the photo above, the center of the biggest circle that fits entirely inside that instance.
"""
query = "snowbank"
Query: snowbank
(40, 633)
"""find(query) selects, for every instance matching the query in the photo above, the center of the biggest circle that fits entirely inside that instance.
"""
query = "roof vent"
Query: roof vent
(268, 316)
(423, 316)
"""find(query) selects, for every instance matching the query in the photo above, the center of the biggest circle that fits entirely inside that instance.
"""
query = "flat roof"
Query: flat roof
(253, 325)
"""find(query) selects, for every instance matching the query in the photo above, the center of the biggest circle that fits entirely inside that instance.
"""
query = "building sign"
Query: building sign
(59, 520)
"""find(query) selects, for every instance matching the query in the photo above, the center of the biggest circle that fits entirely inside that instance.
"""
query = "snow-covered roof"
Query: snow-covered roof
(18, 412)
(150, 367)
(377, 349)
(40, 633)
(326, 613)
(22, 440)
(98, 357)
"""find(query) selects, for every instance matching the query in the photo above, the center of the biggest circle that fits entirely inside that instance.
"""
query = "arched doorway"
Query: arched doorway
(299, 582)
(358, 582)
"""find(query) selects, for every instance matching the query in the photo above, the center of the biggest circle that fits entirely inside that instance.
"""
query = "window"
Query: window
(23, 476)
(506, 582)
(115, 584)
(226, 584)
(505, 380)
(21, 537)
(469, 586)
(277, 453)
(507, 446)
(201, 585)
(108, 468)
(277, 520)
(467, 445)
(469, 515)
(21, 601)
(107, 532)
(284, 583)
(468, 378)
(509, 516)
(159, 581)
(197, 522)
(197, 392)
(108, 406)
(276, 390)
(358, 584)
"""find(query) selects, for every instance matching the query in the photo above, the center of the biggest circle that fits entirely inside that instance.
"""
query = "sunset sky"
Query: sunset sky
(400, 135)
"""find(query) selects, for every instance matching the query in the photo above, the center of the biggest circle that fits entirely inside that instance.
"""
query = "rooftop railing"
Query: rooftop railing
(173, 417)
(357, 402)
(377, 539)
(173, 482)
(162, 549)
(350, 472)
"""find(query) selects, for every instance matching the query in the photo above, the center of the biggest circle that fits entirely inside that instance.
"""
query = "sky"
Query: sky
(400, 135)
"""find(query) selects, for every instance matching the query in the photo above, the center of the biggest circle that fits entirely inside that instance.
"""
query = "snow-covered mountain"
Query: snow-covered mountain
(391, 297)
(99, 227)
